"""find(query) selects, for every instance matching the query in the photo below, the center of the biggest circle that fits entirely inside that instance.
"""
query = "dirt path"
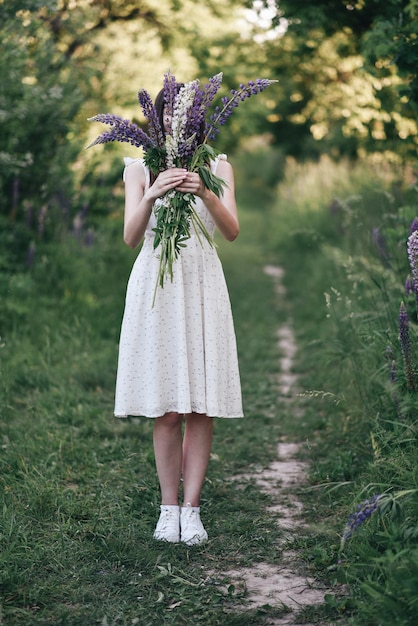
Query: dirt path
(282, 586)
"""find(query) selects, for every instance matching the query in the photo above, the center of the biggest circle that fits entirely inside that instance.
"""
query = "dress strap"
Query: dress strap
(214, 163)
(128, 161)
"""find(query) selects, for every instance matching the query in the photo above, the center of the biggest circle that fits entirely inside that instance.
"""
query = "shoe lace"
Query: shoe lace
(167, 518)
(192, 518)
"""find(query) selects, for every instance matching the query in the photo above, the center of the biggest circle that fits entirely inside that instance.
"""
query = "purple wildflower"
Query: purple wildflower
(122, 130)
(414, 225)
(405, 342)
(211, 89)
(413, 261)
(170, 93)
(363, 513)
(413, 252)
(148, 109)
(221, 115)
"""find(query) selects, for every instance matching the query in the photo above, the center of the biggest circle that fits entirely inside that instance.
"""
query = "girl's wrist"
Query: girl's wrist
(149, 197)
(206, 195)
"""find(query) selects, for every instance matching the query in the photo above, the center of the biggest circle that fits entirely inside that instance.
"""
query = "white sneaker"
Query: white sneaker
(192, 530)
(168, 525)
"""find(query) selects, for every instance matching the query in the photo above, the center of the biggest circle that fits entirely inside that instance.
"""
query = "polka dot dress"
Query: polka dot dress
(180, 354)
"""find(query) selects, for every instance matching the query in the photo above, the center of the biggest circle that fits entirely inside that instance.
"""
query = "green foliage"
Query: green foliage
(39, 99)
(393, 39)
(344, 70)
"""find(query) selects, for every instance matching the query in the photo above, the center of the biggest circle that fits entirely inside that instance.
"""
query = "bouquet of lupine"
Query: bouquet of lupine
(184, 145)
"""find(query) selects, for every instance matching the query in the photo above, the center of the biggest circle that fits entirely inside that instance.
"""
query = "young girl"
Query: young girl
(177, 358)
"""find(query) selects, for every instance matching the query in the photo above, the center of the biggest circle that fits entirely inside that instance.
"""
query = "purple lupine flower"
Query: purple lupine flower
(405, 342)
(220, 116)
(150, 113)
(148, 109)
(170, 93)
(413, 252)
(413, 261)
(122, 130)
(363, 513)
(211, 89)
(414, 225)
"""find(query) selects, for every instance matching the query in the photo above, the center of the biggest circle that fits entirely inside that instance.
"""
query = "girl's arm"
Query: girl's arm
(224, 209)
(138, 202)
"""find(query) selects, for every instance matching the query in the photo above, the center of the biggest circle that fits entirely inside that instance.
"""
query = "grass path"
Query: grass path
(80, 496)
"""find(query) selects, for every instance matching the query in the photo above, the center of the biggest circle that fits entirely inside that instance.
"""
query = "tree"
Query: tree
(342, 68)
(56, 70)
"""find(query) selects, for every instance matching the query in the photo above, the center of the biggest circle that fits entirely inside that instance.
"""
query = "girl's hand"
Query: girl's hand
(192, 183)
(166, 180)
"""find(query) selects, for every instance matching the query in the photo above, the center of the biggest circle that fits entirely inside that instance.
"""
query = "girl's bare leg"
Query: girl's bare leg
(168, 455)
(197, 444)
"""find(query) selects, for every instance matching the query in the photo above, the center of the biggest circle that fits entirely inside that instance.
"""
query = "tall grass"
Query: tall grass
(342, 239)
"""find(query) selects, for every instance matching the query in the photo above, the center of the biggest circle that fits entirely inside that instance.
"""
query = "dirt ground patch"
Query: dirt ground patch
(283, 585)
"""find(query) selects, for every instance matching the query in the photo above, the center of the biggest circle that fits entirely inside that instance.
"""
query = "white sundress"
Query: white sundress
(179, 355)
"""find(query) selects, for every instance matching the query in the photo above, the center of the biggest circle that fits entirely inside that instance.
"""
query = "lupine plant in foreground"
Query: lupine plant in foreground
(363, 512)
(413, 259)
(406, 348)
(184, 145)
(411, 287)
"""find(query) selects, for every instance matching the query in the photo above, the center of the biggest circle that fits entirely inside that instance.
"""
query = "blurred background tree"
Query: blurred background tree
(347, 71)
